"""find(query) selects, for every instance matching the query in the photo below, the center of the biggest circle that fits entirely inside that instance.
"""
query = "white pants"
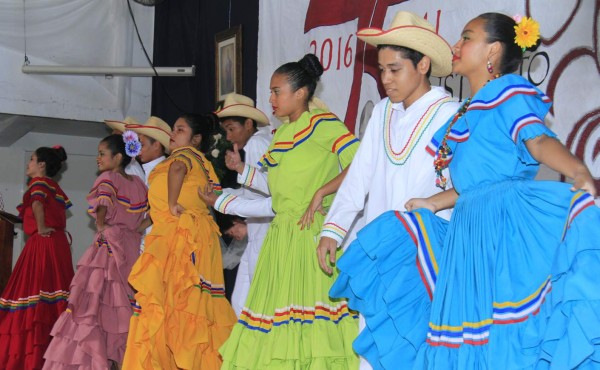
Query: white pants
(244, 276)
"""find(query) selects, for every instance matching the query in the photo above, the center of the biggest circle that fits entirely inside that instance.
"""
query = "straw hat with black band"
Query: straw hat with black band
(237, 105)
(155, 128)
(411, 31)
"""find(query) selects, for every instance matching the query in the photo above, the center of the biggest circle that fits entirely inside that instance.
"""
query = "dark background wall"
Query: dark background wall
(184, 35)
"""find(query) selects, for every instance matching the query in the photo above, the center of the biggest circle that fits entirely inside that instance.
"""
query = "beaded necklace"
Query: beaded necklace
(399, 158)
(444, 153)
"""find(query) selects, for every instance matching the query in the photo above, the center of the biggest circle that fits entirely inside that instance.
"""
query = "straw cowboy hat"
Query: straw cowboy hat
(314, 103)
(411, 31)
(155, 128)
(237, 105)
(120, 125)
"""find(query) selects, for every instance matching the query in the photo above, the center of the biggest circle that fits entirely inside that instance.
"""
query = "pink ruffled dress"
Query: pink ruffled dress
(94, 328)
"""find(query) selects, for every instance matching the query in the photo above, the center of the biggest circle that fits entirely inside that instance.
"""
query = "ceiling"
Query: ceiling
(13, 127)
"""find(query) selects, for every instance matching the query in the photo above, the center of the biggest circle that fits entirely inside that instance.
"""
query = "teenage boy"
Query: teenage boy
(392, 165)
(241, 121)
(154, 136)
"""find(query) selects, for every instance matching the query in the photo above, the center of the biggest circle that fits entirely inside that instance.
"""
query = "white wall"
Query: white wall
(76, 181)
(74, 33)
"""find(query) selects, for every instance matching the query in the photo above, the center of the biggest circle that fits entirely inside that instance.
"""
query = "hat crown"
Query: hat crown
(404, 19)
(236, 105)
(233, 99)
(154, 121)
(130, 121)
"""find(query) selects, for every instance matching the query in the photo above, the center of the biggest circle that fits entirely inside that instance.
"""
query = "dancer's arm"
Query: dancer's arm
(435, 203)
(38, 214)
(552, 153)
(177, 172)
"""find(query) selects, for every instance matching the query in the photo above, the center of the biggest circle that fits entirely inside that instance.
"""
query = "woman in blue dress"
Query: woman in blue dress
(512, 280)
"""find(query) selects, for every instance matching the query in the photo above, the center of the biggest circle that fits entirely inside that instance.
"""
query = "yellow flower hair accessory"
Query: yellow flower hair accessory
(527, 32)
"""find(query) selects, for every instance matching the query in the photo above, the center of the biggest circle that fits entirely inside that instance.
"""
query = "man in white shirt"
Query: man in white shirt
(154, 136)
(392, 165)
(241, 121)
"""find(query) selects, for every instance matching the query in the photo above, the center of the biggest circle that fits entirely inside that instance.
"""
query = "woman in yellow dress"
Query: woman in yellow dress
(182, 316)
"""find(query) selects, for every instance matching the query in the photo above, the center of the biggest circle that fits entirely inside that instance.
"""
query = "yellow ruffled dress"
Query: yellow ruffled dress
(182, 316)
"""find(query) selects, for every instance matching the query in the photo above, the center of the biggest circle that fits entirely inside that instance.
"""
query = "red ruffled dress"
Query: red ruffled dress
(38, 288)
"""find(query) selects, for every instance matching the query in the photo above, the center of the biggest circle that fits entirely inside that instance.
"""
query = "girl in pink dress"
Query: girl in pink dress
(92, 332)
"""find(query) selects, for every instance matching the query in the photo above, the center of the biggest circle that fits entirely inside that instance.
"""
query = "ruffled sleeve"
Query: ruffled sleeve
(183, 158)
(40, 189)
(331, 134)
(189, 156)
(519, 109)
(524, 117)
(62, 198)
(324, 129)
(103, 193)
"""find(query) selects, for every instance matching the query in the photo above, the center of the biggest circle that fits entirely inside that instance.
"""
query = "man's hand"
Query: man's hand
(326, 245)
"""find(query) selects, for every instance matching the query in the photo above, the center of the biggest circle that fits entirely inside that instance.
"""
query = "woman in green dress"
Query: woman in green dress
(289, 321)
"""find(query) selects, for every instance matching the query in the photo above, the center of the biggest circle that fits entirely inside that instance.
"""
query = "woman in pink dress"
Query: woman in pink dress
(92, 332)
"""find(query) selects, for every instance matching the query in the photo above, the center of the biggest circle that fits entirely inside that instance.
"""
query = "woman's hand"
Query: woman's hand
(583, 180)
(45, 231)
(416, 203)
(316, 204)
(176, 210)
(101, 227)
(208, 195)
(233, 160)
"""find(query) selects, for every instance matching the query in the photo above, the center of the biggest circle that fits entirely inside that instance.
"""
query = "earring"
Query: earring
(489, 66)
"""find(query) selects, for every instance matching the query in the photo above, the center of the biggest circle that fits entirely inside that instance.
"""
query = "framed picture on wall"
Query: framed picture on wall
(228, 62)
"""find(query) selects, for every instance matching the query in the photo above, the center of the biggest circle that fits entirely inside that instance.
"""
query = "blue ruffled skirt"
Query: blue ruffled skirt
(511, 282)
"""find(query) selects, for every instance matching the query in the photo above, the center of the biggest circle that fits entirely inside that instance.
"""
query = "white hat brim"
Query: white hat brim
(154, 132)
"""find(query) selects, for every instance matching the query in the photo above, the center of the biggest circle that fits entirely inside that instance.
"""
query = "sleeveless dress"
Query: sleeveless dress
(93, 329)
(289, 321)
(511, 282)
(38, 288)
(182, 316)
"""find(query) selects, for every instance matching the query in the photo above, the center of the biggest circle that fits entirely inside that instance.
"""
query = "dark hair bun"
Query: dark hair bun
(53, 157)
(60, 152)
(311, 64)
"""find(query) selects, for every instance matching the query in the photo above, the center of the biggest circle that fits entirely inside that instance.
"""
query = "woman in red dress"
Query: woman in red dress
(38, 288)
